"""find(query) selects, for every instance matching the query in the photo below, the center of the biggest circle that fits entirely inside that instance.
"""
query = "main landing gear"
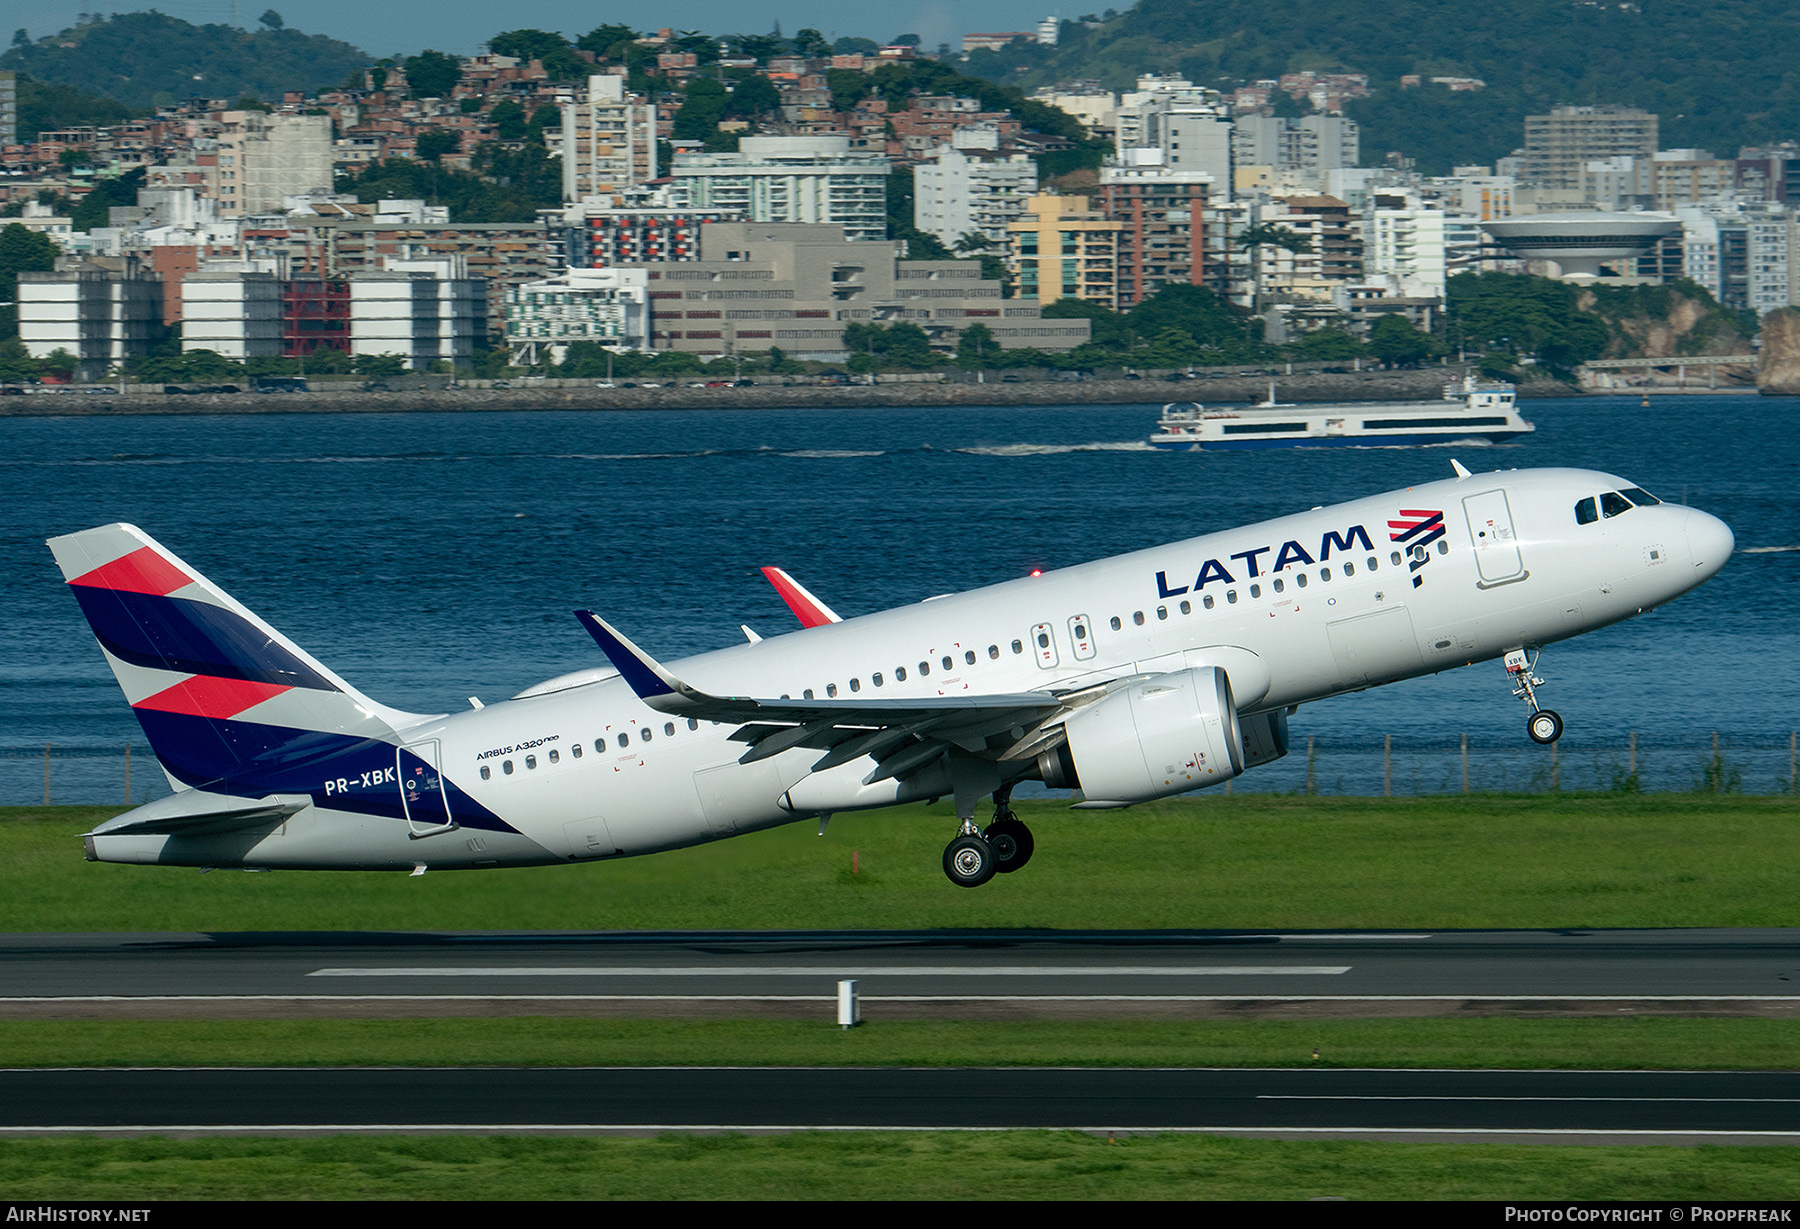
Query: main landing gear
(977, 855)
(1541, 724)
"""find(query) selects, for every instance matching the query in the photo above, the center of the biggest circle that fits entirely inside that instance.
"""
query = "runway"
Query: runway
(1539, 1106)
(1046, 972)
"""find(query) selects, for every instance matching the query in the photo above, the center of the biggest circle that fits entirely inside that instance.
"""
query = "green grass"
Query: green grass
(1247, 862)
(877, 1165)
(1632, 1043)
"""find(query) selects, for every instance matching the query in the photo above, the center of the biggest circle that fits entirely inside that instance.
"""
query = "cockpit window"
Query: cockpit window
(1613, 504)
(1639, 496)
(1586, 512)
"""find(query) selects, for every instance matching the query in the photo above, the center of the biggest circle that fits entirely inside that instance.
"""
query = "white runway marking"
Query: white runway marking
(835, 971)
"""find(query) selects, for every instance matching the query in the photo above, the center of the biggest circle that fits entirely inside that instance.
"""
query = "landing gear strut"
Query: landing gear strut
(1541, 724)
(977, 855)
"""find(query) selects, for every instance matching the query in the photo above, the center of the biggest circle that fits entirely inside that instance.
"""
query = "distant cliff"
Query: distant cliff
(1778, 374)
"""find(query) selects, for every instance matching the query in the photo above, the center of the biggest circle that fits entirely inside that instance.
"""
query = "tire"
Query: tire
(969, 861)
(1012, 844)
(1544, 727)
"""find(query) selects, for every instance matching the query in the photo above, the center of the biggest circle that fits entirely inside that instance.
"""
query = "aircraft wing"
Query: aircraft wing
(903, 735)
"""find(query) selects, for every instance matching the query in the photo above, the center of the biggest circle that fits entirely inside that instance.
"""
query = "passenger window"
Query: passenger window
(855, 685)
(924, 669)
(1018, 647)
(1324, 573)
(1231, 597)
(1443, 548)
(1116, 625)
(669, 728)
(506, 768)
(949, 663)
(899, 674)
(1137, 617)
(531, 762)
(1207, 601)
(1187, 607)
(969, 657)
(1585, 511)
(575, 750)
(1162, 612)
(993, 652)
(1612, 504)
(1255, 590)
(1349, 569)
(624, 740)
(693, 723)
(1374, 563)
(1394, 558)
(1300, 579)
(599, 745)
(643, 736)
(807, 694)
(1278, 585)
(876, 678)
(831, 690)
(486, 772)
(554, 757)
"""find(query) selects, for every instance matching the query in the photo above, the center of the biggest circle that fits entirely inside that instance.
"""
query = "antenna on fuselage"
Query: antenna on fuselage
(1458, 467)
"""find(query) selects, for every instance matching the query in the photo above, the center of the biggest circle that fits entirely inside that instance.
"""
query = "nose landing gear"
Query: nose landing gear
(1542, 725)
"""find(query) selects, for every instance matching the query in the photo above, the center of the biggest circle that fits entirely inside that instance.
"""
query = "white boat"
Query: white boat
(1471, 411)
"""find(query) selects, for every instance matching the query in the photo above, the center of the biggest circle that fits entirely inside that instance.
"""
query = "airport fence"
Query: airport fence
(1369, 767)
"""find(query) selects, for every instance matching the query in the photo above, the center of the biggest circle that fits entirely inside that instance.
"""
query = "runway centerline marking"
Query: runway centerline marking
(835, 971)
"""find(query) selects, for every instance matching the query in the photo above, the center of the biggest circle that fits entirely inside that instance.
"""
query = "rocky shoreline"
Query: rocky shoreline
(1422, 385)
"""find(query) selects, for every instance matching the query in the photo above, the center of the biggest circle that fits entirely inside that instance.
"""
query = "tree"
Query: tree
(22, 251)
(755, 95)
(20, 38)
(811, 44)
(1328, 345)
(432, 74)
(508, 118)
(602, 40)
(272, 19)
(526, 44)
(436, 142)
(701, 110)
(976, 347)
(1267, 234)
(1395, 341)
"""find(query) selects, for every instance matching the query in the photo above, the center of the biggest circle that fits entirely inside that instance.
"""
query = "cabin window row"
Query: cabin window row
(623, 738)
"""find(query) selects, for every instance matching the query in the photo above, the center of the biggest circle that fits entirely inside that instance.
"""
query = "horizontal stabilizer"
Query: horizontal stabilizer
(195, 812)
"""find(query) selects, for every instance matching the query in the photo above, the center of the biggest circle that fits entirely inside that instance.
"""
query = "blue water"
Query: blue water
(431, 557)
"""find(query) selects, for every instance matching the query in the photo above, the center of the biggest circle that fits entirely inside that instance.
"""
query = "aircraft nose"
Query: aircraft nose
(1710, 543)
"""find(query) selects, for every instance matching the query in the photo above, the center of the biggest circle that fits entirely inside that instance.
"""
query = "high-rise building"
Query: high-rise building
(962, 193)
(1170, 123)
(9, 108)
(1311, 146)
(789, 179)
(1558, 146)
(1162, 236)
(610, 307)
(1061, 249)
(262, 159)
(607, 141)
(101, 311)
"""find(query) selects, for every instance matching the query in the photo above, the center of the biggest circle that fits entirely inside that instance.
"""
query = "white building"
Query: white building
(790, 179)
(1404, 239)
(419, 310)
(101, 315)
(965, 192)
(1311, 146)
(262, 158)
(233, 310)
(607, 141)
(1169, 122)
(610, 307)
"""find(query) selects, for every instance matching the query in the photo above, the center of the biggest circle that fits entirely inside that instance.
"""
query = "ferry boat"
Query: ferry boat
(1471, 411)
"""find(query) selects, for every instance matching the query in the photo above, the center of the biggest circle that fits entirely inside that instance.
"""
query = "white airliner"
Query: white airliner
(1125, 679)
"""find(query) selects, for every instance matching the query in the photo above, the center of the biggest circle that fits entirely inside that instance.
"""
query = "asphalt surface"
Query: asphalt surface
(1696, 966)
(1640, 1106)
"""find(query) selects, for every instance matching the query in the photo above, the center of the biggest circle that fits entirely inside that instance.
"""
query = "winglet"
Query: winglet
(649, 680)
(808, 609)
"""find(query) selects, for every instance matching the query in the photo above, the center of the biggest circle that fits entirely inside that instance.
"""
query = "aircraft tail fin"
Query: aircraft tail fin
(228, 703)
(808, 609)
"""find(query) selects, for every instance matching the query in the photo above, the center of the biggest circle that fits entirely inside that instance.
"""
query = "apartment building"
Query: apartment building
(811, 179)
(1061, 249)
(972, 191)
(607, 140)
(1162, 237)
(1558, 146)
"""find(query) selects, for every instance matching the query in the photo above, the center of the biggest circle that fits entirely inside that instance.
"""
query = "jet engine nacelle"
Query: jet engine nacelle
(1166, 735)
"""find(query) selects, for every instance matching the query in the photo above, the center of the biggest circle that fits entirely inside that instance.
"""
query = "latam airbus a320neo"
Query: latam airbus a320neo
(1125, 679)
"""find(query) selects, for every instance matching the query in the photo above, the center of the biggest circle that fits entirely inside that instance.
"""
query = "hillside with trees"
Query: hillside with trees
(1720, 73)
(151, 59)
